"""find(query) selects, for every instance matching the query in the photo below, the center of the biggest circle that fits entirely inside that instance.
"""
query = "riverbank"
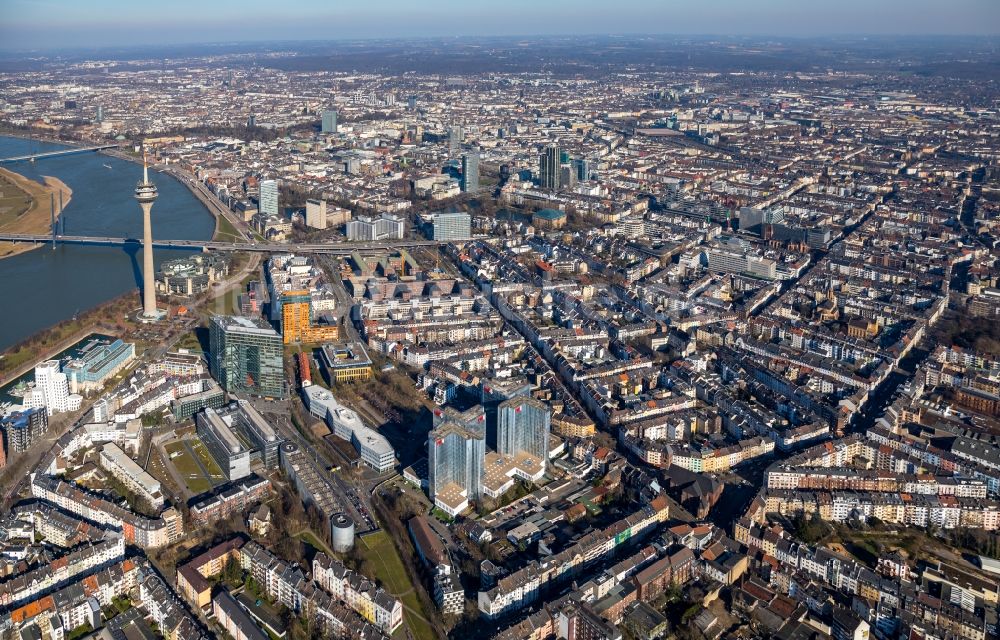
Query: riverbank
(225, 229)
(107, 317)
(56, 286)
(37, 217)
(22, 358)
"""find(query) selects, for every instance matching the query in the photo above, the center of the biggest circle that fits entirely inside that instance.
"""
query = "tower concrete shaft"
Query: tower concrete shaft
(145, 193)
(148, 287)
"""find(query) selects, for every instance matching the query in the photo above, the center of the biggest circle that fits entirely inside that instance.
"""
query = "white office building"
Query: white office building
(451, 226)
(134, 477)
(371, 229)
(51, 390)
(316, 214)
(222, 443)
(374, 449)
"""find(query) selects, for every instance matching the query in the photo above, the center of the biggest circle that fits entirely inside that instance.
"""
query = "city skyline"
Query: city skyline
(501, 337)
(111, 23)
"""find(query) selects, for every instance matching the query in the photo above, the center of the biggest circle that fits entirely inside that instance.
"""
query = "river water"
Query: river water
(42, 287)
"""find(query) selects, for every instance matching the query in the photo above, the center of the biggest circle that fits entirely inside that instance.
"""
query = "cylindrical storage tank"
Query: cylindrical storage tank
(342, 533)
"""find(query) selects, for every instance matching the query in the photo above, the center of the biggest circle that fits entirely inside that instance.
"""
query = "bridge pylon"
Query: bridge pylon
(52, 218)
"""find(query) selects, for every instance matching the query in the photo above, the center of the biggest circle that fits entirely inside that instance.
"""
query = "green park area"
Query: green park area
(310, 538)
(384, 558)
(225, 231)
(206, 460)
(199, 478)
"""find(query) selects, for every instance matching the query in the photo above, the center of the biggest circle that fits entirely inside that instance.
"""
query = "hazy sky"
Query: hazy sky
(44, 24)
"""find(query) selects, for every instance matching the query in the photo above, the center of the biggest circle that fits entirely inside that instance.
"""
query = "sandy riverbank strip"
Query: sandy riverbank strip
(37, 218)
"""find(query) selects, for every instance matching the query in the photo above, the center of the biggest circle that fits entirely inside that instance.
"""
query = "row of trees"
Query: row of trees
(393, 523)
(984, 543)
(111, 316)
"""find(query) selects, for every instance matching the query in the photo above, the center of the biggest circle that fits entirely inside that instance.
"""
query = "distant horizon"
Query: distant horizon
(290, 42)
(55, 25)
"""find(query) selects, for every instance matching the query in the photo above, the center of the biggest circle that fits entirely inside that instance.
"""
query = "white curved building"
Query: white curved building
(374, 449)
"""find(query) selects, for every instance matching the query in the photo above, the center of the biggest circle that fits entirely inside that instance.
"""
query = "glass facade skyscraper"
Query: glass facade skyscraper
(451, 226)
(455, 455)
(548, 167)
(456, 135)
(268, 197)
(329, 124)
(246, 357)
(523, 427)
(470, 171)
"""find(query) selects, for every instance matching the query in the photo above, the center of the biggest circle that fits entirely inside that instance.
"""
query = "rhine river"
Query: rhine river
(42, 287)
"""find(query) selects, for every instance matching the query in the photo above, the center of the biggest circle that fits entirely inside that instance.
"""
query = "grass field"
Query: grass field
(226, 232)
(206, 460)
(313, 541)
(226, 303)
(25, 206)
(157, 468)
(14, 201)
(229, 300)
(189, 341)
(188, 468)
(382, 553)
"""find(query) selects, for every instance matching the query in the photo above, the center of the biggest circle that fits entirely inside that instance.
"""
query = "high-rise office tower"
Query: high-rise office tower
(582, 166)
(456, 135)
(269, 197)
(296, 314)
(100, 114)
(145, 193)
(411, 103)
(451, 226)
(246, 357)
(751, 217)
(523, 428)
(329, 124)
(316, 214)
(470, 171)
(567, 176)
(548, 167)
(455, 457)
(473, 418)
(493, 394)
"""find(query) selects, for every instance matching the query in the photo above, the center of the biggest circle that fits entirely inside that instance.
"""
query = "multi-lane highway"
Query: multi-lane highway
(52, 154)
(212, 245)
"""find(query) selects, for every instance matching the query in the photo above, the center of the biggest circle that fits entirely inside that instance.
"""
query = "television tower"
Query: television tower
(145, 193)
